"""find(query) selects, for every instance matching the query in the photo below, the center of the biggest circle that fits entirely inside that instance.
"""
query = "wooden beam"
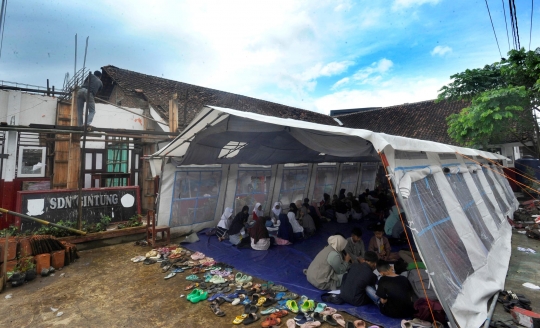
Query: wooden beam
(74, 148)
(173, 113)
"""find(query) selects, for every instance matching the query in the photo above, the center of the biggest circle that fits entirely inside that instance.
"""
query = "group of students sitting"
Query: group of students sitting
(301, 221)
(364, 277)
(368, 205)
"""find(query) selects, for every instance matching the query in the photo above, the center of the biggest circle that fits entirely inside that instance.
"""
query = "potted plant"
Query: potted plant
(28, 267)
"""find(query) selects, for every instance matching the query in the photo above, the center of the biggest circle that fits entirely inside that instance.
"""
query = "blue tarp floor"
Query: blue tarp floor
(284, 264)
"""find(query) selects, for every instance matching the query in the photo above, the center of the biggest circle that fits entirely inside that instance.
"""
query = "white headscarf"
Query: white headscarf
(256, 210)
(296, 227)
(337, 242)
(276, 212)
(225, 218)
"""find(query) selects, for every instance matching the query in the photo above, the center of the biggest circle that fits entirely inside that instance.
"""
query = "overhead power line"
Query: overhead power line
(506, 25)
(493, 27)
(2, 23)
(530, 31)
(515, 28)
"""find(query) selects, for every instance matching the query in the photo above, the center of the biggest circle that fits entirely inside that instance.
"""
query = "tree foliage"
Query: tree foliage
(503, 101)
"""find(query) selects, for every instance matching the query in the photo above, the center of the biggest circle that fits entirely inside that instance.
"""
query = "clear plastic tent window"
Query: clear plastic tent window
(437, 238)
(505, 185)
(369, 171)
(293, 185)
(252, 187)
(195, 197)
(487, 201)
(464, 196)
(349, 177)
(502, 204)
(325, 182)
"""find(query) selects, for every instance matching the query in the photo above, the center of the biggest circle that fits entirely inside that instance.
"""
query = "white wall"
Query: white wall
(31, 108)
(109, 116)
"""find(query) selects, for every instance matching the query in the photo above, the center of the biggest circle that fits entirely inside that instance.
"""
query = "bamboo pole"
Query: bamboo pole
(3, 210)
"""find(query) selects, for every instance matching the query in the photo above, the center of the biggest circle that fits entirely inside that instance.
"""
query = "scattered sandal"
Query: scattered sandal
(251, 318)
(270, 322)
(215, 308)
(170, 275)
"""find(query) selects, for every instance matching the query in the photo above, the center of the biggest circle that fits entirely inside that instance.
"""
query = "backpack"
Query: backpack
(412, 275)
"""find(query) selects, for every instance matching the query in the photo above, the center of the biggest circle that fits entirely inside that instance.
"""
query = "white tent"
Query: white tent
(456, 208)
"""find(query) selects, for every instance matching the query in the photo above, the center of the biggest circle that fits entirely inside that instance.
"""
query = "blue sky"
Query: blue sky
(318, 55)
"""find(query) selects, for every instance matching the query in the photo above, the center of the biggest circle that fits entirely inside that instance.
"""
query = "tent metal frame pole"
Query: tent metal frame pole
(419, 249)
(186, 131)
(491, 309)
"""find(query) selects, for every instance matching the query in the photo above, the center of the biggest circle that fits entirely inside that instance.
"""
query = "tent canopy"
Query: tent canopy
(456, 208)
(227, 136)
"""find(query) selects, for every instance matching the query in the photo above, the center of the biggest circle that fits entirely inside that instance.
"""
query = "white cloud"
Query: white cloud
(340, 83)
(441, 50)
(367, 75)
(393, 92)
(401, 4)
(307, 80)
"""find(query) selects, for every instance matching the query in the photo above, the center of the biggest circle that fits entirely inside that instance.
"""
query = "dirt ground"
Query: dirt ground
(524, 267)
(105, 289)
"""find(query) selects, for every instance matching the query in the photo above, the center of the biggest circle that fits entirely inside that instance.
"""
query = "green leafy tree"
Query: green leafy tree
(503, 102)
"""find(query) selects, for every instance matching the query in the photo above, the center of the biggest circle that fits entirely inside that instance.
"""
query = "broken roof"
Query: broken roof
(424, 120)
(158, 91)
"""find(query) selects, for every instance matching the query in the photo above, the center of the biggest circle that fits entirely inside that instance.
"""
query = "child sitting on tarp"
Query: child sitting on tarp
(380, 245)
(394, 294)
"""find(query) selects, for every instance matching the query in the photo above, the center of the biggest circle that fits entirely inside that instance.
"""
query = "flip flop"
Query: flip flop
(191, 286)
(252, 317)
(261, 301)
(279, 296)
(238, 276)
(320, 307)
(331, 320)
(250, 309)
(270, 322)
(280, 313)
(215, 308)
(328, 311)
(303, 298)
(279, 288)
(255, 298)
(311, 324)
(239, 319)
(360, 324)
(192, 278)
(170, 275)
(269, 301)
(290, 296)
(236, 301)
(291, 323)
(215, 296)
(339, 319)
(268, 311)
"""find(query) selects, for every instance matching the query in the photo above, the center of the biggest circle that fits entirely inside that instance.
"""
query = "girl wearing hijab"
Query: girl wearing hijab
(298, 204)
(260, 239)
(237, 225)
(307, 222)
(224, 223)
(285, 235)
(257, 212)
(293, 208)
(298, 230)
(327, 269)
(276, 211)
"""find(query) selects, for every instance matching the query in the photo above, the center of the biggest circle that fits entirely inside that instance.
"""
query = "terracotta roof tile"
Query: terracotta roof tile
(422, 120)
(159, 91)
